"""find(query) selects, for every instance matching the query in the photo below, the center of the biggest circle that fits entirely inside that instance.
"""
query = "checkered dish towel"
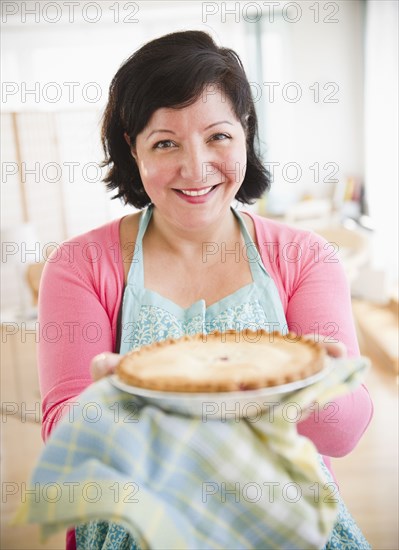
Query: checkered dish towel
(175, 481)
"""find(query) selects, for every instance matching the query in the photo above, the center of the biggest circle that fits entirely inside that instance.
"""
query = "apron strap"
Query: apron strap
(136, 271)
(143, 224)
(252, 253)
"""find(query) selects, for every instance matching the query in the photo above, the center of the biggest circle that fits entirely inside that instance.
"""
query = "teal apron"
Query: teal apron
(149, 317)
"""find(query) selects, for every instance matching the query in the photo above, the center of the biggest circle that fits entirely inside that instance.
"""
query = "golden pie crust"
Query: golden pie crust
(222, 362)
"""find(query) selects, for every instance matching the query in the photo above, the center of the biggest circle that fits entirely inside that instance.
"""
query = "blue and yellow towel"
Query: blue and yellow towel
(174, 481)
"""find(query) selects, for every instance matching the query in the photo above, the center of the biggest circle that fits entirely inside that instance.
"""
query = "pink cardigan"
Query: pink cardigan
(80, 298)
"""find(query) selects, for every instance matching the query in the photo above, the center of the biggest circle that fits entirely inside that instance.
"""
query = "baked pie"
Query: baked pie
(222, 362)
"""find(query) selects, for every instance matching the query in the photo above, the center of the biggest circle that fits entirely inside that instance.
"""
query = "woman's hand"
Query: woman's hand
(337, 349)
(103, 365)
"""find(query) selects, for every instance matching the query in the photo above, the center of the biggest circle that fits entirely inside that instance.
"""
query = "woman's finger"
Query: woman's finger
(335, 349)
(104, 364)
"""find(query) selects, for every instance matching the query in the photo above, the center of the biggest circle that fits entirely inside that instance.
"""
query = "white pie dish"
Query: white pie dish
(223, 405)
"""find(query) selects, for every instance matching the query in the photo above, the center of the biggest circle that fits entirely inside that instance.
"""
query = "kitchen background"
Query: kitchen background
(325, 83)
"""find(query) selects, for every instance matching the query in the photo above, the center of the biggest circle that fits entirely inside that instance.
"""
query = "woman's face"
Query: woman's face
(192, 160)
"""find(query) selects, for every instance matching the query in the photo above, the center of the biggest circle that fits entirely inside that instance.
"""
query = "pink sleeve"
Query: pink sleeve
(76, 323)
(316, 298)
(321, 305)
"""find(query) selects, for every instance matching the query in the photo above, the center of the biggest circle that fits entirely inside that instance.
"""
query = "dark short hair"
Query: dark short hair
(172, 71)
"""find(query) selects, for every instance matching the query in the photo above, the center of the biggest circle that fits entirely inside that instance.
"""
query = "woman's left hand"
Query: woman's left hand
(334, 349)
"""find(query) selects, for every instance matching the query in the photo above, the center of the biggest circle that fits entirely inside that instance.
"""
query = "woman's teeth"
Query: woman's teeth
(196, 193)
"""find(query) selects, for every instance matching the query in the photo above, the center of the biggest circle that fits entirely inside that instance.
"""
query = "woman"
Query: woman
(179, 136)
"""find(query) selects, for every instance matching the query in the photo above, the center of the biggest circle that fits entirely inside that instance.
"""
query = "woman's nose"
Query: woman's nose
(193, 165)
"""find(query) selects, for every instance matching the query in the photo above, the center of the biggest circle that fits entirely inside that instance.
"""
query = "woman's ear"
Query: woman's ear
(132, 150)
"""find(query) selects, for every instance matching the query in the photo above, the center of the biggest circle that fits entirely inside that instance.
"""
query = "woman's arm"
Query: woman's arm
(320, 304)
(79, 298)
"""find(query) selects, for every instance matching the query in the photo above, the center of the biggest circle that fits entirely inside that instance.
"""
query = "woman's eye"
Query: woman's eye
(220, 137)
(164, 144)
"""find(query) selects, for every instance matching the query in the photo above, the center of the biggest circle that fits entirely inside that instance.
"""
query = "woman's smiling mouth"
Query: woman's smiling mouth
(196, 192)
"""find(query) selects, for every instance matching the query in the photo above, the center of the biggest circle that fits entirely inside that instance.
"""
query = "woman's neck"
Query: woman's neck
(192, 242)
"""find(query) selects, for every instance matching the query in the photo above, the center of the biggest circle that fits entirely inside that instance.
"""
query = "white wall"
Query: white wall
(381, 121)
(324, 61)
(45, 56)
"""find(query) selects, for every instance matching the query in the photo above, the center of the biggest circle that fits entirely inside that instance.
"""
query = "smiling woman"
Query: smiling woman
(163, 78)
(179, 135)
(187, 157)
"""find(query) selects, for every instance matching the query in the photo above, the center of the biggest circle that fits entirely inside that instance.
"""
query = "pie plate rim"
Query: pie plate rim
(188, 402)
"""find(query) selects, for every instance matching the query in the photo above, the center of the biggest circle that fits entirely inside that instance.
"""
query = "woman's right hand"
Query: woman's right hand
(103, 365)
